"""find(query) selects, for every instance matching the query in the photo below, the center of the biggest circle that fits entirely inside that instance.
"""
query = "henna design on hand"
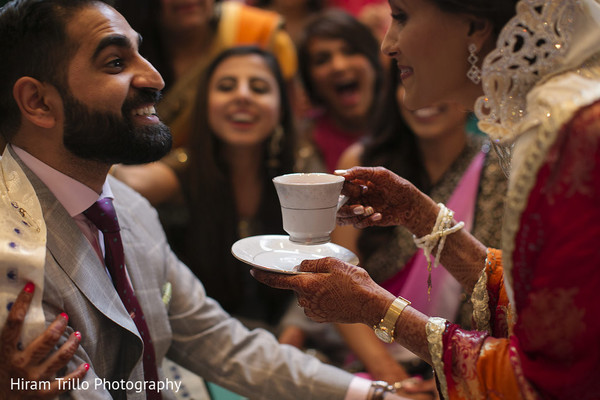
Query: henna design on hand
(392, 199)
(33, 363)
(335, 292)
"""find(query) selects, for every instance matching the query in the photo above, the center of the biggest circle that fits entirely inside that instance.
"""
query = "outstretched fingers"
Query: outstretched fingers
(363, 217)
(61, 385)
(320, 265)
(43, 344)
(9, 337)
(363, 174)
(298, 282)
(60, 358)
(274, 279)
(34, 362)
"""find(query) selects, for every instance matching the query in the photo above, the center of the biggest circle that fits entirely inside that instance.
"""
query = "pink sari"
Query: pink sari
(411, 282)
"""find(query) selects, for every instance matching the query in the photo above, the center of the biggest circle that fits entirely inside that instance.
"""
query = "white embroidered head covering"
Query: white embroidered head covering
(22, 245)
(543, 39)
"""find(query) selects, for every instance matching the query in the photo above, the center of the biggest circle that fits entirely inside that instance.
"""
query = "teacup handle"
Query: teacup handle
(341, 201)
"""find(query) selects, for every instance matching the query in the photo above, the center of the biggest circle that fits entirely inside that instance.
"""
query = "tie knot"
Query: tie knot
(103, 215)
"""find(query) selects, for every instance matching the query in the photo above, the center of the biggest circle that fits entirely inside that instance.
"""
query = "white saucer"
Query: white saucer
(276, 253)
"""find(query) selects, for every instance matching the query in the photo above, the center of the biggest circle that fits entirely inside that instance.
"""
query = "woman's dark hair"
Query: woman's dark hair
(338, 24)
(33, 42)
(214, 221)
(313, 5)
(391, 144)
(499, 12)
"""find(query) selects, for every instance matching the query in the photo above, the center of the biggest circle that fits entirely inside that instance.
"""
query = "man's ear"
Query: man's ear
(39, 102)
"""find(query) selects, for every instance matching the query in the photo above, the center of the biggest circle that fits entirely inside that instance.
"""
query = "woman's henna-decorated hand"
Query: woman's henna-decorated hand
(378, 197)
(335, 292)
(34, 362)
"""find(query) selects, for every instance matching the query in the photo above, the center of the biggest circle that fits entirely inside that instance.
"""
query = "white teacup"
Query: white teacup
(309, 203)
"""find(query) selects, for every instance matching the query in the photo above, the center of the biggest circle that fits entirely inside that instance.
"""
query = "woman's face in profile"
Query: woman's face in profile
(243, 100)
(430, 48)
(343, 79)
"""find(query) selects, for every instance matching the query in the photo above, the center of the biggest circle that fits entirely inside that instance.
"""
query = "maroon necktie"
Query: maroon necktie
(103, 215)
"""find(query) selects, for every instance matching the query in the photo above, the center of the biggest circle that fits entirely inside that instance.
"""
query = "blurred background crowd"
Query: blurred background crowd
(261, 88)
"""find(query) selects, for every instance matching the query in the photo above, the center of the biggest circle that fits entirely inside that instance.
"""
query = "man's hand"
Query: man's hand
(34, 363)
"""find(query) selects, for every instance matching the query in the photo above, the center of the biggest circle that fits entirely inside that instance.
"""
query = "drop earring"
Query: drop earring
(474, 73)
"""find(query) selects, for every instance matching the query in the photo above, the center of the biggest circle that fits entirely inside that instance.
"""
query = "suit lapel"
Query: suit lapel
(76, 256)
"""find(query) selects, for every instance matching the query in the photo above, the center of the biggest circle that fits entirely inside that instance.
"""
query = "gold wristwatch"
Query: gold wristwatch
(385, 329)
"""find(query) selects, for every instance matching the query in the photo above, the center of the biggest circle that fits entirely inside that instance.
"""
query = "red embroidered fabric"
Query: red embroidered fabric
(554, 349)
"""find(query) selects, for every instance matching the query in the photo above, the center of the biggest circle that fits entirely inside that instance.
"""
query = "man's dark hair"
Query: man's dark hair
(33, 42)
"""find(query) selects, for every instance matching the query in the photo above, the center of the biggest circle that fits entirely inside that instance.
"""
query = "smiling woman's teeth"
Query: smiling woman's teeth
(241, 118)
(427, 112)
(145, 111)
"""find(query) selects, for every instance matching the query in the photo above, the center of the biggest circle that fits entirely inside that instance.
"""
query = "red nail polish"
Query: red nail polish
(29, 288)
(86, 366)
(77, 335)
(65, 316)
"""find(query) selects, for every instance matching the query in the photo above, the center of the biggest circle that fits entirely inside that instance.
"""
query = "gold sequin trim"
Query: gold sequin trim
(480, 299)
(435, 330)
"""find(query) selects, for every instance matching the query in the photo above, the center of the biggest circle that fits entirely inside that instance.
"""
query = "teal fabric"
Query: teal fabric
(218, 393)
(472, 125)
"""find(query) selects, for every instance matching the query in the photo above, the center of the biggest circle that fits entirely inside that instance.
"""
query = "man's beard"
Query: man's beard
(113, 139)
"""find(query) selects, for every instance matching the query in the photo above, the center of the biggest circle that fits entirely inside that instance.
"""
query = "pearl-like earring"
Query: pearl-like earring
(474, 73)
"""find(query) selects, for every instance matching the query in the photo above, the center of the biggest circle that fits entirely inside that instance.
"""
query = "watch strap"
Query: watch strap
(388, 322)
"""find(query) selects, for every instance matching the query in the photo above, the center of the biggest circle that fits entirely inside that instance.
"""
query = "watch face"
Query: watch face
(383, 335)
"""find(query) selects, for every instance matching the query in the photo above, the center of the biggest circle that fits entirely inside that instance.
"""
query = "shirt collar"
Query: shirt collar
(74, 196)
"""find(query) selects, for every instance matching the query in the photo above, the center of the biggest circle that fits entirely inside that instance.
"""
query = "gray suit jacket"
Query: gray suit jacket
(192, 330)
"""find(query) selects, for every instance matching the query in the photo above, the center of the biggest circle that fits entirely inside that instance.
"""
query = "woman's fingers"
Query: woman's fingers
(321, 265)
(361, 221)
(33, 362)
(61, 357)
(64, 384)
(274, 279)
(9, 337)
(43, 344)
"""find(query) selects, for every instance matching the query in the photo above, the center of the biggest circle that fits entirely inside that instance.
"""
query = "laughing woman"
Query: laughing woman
(340, 68)
(245, 139)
